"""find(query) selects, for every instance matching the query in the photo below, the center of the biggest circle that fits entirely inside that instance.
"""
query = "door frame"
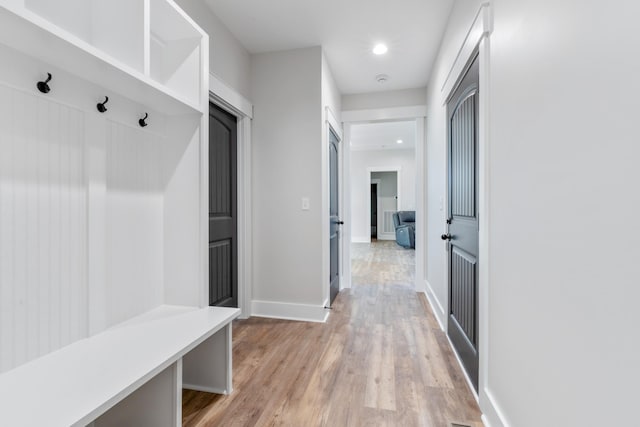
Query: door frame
(331, 124)
(231, 101)
(418, 114)
(476, 41)
(398, 171)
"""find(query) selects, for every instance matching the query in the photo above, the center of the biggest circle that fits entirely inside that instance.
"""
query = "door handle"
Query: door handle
(446, 236)
(339, 222)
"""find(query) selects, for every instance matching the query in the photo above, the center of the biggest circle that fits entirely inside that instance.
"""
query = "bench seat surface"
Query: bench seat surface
(78, 383)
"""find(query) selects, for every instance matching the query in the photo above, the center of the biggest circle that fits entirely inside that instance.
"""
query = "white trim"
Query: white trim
(365, 148)
(481, 27)
(421, 204)
(384, 114)
(229, 96)
(245, 221)
(348, 117)
(436, 307)
(290, 311)
(345, 185)
(333, 122)
(492, 415)
(231, 101)
(360, 239)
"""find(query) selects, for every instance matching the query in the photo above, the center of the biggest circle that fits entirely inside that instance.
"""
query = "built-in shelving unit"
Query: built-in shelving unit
(147, 50)
(101, 220)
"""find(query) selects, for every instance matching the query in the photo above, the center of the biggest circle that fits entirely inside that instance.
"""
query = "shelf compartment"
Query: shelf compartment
(175, 51)
(115, 27)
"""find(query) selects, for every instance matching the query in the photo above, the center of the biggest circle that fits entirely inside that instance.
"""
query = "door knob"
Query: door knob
(446, 236)
(339, 222)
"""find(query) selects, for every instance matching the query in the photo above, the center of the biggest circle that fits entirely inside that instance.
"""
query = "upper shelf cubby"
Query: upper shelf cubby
(147, 50)
(175, 50)
(116, 27)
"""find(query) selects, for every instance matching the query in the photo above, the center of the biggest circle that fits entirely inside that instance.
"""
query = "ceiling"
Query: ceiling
(383, 136)
(347, 30)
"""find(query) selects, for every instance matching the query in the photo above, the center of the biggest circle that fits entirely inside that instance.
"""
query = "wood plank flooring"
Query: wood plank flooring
(380, 360)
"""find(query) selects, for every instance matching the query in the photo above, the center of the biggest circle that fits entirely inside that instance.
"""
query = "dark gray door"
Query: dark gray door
(374, 211)
(223, 247)
(334, 219)
(462, 111)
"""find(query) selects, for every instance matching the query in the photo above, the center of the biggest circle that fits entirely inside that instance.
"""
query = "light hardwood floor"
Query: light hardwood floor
(380, 360)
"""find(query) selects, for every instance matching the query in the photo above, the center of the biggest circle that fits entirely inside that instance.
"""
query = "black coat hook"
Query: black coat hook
(101, 106)
(43, 86)
(142, 122)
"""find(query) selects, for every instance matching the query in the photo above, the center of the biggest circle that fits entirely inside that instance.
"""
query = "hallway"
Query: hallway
(380, 360)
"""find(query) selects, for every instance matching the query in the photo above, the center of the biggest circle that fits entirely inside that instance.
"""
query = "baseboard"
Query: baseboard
(437, 308)
(360, 239)
(289, 311)
(385, 236)
(492, 416)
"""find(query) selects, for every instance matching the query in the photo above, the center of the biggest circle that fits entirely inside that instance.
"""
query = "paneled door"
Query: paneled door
(462, 235)
(223, 228)
(334, 219)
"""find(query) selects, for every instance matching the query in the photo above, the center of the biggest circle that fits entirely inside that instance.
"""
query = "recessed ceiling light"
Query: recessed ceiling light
(399, 141)
(380, 49)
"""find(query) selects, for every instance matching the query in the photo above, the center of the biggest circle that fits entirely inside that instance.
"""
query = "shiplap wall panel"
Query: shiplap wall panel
(134, 222)
(43, 286)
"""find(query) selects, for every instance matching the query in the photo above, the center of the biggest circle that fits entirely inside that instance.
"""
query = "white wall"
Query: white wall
(563, 150)
(386, 99)
(287, 166)
(361, 162)
(228, 59)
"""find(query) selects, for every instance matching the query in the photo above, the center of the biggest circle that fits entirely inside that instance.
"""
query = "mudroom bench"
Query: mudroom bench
(131, 374)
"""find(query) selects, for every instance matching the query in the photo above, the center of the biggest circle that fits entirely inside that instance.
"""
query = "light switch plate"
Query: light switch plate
(305, 204)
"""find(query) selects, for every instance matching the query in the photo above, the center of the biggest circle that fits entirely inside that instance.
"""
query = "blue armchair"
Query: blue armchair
(405, 224)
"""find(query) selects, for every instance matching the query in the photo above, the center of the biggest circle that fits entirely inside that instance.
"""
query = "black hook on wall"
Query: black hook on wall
(142, 121)
(43, 86)
(101, 106)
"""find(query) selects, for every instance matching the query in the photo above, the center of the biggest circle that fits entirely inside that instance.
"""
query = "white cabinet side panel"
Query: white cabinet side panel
(42, 227)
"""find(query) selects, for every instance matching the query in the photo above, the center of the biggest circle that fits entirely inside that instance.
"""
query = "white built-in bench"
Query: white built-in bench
(129, 375)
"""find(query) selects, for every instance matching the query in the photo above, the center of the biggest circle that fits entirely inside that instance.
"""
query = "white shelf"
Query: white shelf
(66, 45)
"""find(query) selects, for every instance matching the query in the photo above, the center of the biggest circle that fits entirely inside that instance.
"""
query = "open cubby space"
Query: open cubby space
(175, 51)
(116, 27)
